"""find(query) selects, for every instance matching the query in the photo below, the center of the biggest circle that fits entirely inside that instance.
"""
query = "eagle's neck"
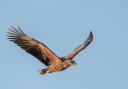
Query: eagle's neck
(66, 63)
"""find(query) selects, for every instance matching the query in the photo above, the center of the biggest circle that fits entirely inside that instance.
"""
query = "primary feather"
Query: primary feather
(80, 47)
(32, 46)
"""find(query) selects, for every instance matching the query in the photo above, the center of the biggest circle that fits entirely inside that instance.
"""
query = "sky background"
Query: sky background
(62, 25)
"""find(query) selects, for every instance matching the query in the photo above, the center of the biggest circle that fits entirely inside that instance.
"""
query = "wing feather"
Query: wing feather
(32, 46)
(80, 47)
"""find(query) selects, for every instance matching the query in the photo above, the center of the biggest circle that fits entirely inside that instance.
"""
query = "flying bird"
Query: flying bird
(39, 50)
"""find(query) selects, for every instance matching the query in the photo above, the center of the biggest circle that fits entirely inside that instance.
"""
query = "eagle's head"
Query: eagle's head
(73, 63)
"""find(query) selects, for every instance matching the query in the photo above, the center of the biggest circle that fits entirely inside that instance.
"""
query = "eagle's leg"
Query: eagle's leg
(43, 71)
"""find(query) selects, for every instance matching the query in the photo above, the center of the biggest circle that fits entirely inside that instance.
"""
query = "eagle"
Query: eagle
(40, 51)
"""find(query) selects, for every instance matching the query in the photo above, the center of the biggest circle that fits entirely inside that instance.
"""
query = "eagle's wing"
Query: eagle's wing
(80, 47)
(32, 46)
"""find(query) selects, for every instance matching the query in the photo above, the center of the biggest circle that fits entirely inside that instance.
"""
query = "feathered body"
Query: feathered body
(43, 53)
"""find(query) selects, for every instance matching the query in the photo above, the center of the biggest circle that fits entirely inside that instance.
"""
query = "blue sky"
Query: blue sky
(62, 25)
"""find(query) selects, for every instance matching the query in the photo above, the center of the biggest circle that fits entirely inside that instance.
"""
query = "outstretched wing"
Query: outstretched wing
(80, 47)
(32, 46)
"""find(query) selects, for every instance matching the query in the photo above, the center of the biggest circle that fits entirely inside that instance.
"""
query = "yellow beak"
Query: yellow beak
(74, 64)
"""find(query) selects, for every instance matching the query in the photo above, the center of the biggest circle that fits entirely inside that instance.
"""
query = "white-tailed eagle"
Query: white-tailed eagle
(39, 50)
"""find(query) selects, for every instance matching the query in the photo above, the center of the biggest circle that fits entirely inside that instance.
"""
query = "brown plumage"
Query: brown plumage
(43, 53)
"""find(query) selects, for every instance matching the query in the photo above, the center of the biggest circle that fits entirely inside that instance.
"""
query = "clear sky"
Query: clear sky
(62, 25)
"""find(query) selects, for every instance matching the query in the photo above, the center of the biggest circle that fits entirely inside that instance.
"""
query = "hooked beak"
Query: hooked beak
(74, 64)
